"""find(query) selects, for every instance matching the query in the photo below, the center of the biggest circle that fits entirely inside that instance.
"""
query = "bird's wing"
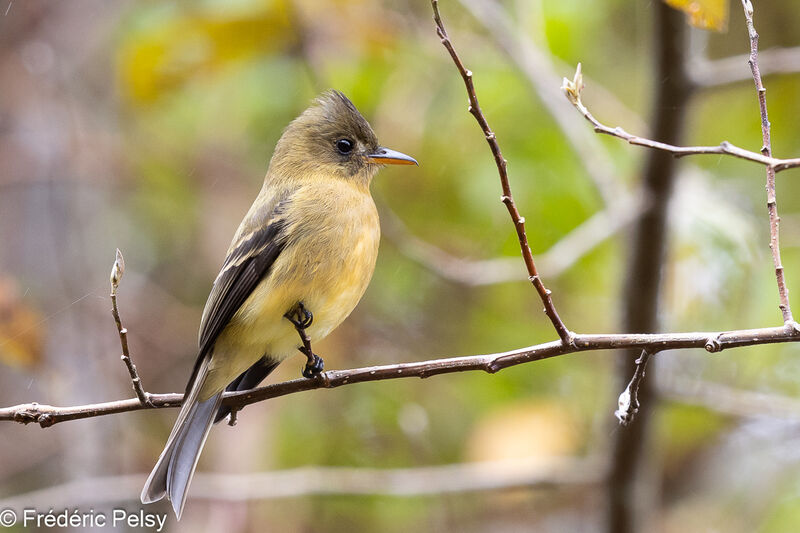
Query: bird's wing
(244, 268)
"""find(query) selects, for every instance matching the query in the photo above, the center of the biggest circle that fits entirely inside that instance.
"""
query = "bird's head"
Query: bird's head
(332, 137)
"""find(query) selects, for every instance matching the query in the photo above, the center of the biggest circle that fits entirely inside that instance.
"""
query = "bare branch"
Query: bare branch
(507, 198)
(117, 271)
(47, 415)
(572, 89)
(766, 149)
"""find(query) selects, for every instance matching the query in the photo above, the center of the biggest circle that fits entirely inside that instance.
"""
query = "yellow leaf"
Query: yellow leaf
(704, 14)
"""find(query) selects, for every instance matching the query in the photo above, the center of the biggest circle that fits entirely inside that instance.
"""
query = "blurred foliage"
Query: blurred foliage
(148, 126)
(21, 328)
(706, 14)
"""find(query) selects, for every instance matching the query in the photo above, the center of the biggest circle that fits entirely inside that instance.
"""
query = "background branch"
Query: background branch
(556, 260)
(629, 507)
(712, 74)
(318, 480)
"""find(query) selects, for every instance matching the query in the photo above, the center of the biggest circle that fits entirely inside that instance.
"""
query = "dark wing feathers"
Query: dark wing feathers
(244, 268)
(249, 379)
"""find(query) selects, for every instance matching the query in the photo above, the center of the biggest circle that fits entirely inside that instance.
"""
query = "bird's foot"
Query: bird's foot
(314, 365)
(300, 317)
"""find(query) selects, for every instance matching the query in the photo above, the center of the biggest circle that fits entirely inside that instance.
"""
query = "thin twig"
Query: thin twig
(507, 198)
(572, 89)
(713, 342)
(538, 69)
(117, 272)
(629, 399)
(766, 149)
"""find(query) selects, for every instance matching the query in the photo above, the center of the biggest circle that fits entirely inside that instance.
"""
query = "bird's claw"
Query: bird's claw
(300, 317)
(314, 366)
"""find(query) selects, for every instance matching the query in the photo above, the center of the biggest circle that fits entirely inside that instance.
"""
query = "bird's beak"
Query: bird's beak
(385, 156)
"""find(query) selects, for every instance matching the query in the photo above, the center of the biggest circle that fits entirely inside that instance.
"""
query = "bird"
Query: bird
(297, 266)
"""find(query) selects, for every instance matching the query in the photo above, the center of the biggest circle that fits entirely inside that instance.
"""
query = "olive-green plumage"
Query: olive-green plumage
(310, 238)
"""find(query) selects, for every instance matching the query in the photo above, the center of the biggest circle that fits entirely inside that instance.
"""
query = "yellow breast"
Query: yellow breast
(333, 235)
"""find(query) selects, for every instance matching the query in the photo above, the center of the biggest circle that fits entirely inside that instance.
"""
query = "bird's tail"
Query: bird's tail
(175, 467)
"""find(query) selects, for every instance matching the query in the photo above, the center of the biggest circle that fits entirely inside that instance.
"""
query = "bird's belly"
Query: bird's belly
(329, 286)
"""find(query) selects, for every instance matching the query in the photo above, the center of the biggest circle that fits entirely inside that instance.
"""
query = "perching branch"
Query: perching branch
(47, 415)
(507, 198)
(117, 272)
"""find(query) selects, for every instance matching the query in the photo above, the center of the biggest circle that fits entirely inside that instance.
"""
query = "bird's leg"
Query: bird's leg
(302, 318)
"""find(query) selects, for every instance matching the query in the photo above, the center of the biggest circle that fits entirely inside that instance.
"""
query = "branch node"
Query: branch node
(45, 420)
(492, 367)
(713, 345)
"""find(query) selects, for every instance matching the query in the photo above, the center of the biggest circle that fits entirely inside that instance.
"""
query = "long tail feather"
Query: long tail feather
(176, 464)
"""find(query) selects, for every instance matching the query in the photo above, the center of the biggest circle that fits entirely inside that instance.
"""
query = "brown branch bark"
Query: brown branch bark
(507, 198)
(538, 68)
(766, 149)
(573, 92)
(713, 342)
(117, 271)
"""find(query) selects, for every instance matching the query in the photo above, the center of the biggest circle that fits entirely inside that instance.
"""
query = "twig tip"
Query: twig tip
(572, 88)
(117, 271)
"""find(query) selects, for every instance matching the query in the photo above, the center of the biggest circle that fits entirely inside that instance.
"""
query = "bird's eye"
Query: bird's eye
(345, 146)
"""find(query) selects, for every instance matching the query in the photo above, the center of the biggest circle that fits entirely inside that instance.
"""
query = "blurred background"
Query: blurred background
(148, 126)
